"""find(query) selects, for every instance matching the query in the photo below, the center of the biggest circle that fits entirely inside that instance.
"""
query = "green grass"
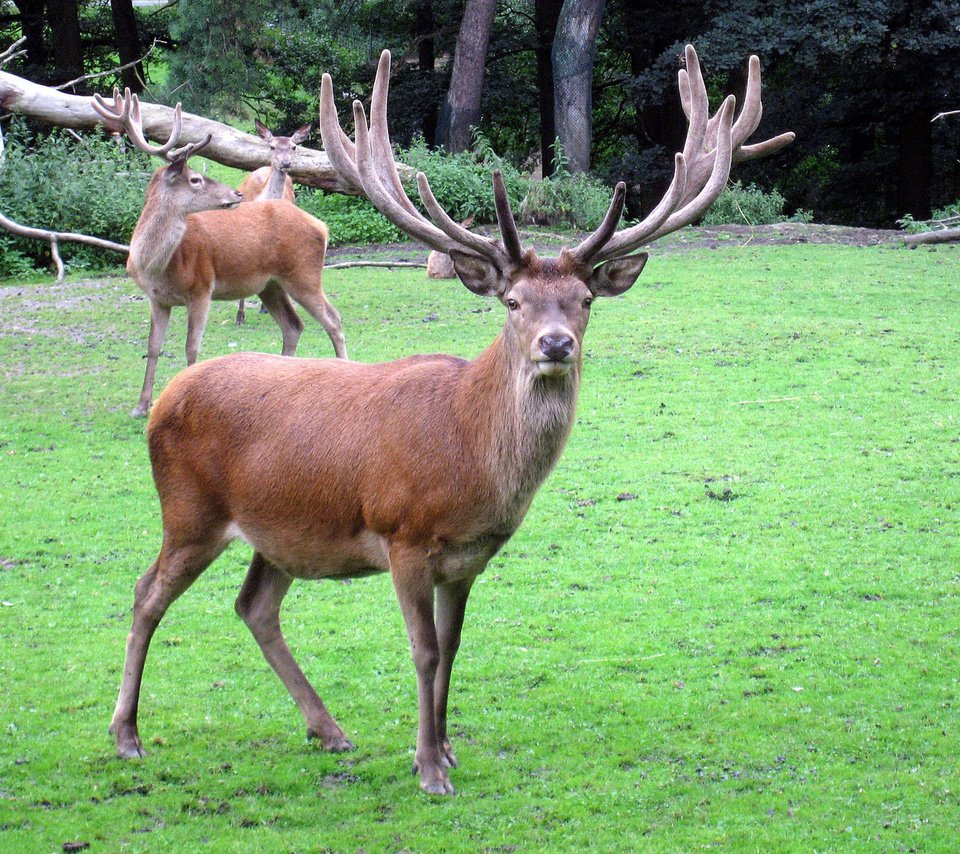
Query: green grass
(730, 619)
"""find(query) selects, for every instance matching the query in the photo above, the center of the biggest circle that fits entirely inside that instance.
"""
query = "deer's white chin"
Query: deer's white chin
(553, 369)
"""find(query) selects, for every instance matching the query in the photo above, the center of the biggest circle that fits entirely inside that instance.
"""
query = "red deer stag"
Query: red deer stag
(423, 467)
(272, 182)
(195, 243)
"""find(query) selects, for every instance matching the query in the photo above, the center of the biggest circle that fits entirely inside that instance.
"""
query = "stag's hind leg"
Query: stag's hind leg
(259, 606)
(282, 311)
(315, 301)
(177, 567)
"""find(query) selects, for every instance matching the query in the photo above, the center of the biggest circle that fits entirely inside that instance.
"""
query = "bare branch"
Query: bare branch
(56, 236)
(11, 53)
(939, 116)
(84, 77)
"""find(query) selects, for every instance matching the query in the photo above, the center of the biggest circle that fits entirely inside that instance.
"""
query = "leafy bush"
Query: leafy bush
(565, 198)
(461, 182)
(62, 183)
(350, 219)
(750, 205)
(947, 217)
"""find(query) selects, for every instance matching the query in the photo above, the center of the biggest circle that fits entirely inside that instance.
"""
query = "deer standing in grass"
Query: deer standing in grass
(423, 467)
(272, 182)
(195, 243)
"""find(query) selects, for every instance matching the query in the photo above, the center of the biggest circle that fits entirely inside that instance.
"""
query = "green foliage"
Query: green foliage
(60, 183)
(948, 215)
(750, 205)
(461, 182)
(729, 621)
(350, 219)
(565, 198)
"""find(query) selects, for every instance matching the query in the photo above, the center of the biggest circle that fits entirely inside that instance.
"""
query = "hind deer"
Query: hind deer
(272, 182)
(422, 467)
(195, 243)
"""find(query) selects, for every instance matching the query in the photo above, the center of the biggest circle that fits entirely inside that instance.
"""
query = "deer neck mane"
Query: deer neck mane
(522, 419)
(158, 233)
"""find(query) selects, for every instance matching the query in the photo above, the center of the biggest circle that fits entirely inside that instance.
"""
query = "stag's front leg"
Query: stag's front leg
(451, 607)
(413, 582)
(159, 318)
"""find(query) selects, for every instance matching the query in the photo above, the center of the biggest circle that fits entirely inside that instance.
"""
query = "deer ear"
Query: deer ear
(616, 277)
(263, 130)
(300, 134)
(175, 169)
(480, 275)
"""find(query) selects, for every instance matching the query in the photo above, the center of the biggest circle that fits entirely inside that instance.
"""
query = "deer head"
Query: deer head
(181, 187)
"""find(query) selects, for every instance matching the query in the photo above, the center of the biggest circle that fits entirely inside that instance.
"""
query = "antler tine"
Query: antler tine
(380, 145)
(632, 238)
(126, 113)
(459, 235)
(413, 224)
(596, 241)
(763, 149)
(336, 143)
(509, 236)
(369, 167)
(714, 185)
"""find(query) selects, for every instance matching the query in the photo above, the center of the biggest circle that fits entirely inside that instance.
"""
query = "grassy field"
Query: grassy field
(729, 621)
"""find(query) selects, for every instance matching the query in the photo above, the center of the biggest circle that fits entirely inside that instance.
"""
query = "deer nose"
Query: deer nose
(556, 348)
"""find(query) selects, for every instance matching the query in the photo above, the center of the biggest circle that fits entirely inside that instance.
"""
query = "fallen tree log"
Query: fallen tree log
(942, 235)
(229, 146)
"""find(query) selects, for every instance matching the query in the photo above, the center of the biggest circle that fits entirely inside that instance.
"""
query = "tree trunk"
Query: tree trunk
(426, 60)
(64, 21)
(914, 162)
(461, 108)
(128, 43)
(574, 49)
(32, 23)
(546, 15)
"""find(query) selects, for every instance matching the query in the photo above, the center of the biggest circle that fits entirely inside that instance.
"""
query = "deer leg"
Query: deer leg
(282, 311)
(451, 607)
(197, 311)
(159, 318)
(241, 314)
(173, 572)
(259, 607)
(323, 311)
(413, 582)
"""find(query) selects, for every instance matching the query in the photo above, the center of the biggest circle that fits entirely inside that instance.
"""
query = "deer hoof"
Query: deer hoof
(433, 779)
(140, 411)
(337, 743)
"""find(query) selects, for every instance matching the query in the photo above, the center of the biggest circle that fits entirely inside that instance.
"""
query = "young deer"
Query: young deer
(272, 182)
(195, 243)
(423, 467)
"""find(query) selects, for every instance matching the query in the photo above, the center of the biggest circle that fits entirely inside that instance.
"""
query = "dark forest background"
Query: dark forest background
(859, 82)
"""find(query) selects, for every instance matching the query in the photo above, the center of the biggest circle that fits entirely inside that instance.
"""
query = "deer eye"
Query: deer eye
(196, 180)
(588, 302)
(512, 304)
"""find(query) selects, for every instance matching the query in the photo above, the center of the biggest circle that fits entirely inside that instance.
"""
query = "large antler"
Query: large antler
(368, 165)
(124, 112)
(713, 143)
